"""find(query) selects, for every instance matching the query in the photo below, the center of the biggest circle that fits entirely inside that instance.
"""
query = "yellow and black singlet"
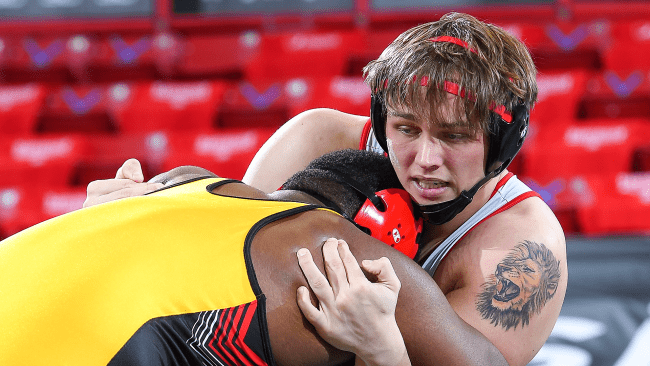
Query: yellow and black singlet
(163, 279)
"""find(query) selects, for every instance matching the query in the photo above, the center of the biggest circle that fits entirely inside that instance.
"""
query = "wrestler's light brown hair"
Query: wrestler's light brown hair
(495, 68)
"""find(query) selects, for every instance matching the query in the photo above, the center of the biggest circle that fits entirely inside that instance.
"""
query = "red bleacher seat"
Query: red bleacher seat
(563, 45)
(630, 47)
(226, 153)
(76, 108)
(80, 52)
(344, 93)
(106, 153)
(8, 45)
(621, 205)
(372, 44)
(559, 96)
(22, 206)
(20, 106)
(221, 55)
(310, 54)
(40, 160)
(565, 196)
(27, 59)
(599, 147)
(57, 202)
(150, 106)
(612, 94)
(561, 161)
(168, 49)
(123, 57)
(256, 103)
(19, 208)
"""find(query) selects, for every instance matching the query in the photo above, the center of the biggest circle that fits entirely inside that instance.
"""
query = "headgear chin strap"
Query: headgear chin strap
(388, 215)
(505, 140)
(441, 213)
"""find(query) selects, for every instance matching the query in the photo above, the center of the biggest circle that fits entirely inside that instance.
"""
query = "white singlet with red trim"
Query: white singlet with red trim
(371, 143)
(508, 192)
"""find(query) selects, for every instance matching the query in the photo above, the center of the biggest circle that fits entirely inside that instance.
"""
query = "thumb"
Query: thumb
(131, 169)
(383, 269)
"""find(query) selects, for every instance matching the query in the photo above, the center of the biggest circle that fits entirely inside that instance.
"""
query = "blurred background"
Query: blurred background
(86, 84)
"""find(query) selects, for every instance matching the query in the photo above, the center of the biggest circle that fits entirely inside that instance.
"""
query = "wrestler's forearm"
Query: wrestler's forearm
(467, 346)
(302, 139)
(434, 334)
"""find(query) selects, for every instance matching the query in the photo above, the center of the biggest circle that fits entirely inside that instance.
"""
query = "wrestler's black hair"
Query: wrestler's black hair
(323, 178)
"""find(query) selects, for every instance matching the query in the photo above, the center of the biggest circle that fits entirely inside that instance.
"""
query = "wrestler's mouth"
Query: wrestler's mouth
(429, 184)
(506, 290)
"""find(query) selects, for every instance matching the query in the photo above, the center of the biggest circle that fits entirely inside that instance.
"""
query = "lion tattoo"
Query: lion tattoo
(522, 283)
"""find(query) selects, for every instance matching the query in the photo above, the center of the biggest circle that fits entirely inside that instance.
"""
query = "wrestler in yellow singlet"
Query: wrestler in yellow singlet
(77, 289)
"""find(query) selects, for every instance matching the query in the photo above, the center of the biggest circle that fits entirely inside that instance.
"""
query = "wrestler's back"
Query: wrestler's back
(273, 253)
(86, 281)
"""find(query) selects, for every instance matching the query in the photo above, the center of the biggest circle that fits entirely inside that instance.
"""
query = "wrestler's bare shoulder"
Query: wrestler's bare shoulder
(508, 277)
(529, 221)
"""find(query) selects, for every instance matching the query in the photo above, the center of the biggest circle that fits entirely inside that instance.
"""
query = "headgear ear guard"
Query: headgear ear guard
(396, 224)
(387, 215)
(505, 141)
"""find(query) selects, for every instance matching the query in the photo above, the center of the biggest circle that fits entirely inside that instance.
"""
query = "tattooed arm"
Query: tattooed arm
(508, 277)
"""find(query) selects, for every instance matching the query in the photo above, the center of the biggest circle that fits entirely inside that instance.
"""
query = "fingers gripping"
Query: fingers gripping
(131, 169)
(319, 286)
(384, 272)
(354, 314)
(335, 267)
(352, 268)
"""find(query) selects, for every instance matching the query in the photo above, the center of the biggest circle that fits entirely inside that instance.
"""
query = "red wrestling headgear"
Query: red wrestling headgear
(394, 223)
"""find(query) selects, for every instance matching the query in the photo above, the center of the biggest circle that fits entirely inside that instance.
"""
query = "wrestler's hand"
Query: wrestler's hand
(354, 314)
(128, 182)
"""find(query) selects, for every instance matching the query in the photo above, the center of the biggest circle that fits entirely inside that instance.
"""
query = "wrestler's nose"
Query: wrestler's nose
(429, 153)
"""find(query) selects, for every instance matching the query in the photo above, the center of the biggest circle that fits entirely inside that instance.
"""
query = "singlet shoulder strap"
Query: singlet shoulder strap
(506, 195)
(368, 141)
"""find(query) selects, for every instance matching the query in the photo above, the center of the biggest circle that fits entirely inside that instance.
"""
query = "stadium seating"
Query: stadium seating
(226, 153)
(562, 45)
(288, 55)
(560, 94)
(159, 105)
(20, 106)
(620, 205)
(75, 108)
(216, 55)
(106, 153)
(79, 99)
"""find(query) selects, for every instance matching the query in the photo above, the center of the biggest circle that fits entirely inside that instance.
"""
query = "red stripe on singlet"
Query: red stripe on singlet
(508, 205)
(502, 182)
(220, 334)
(365, 135)
(232, 335)
(242, 334)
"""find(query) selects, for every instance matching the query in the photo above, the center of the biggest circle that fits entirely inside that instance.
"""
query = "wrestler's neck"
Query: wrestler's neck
(434, 235)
